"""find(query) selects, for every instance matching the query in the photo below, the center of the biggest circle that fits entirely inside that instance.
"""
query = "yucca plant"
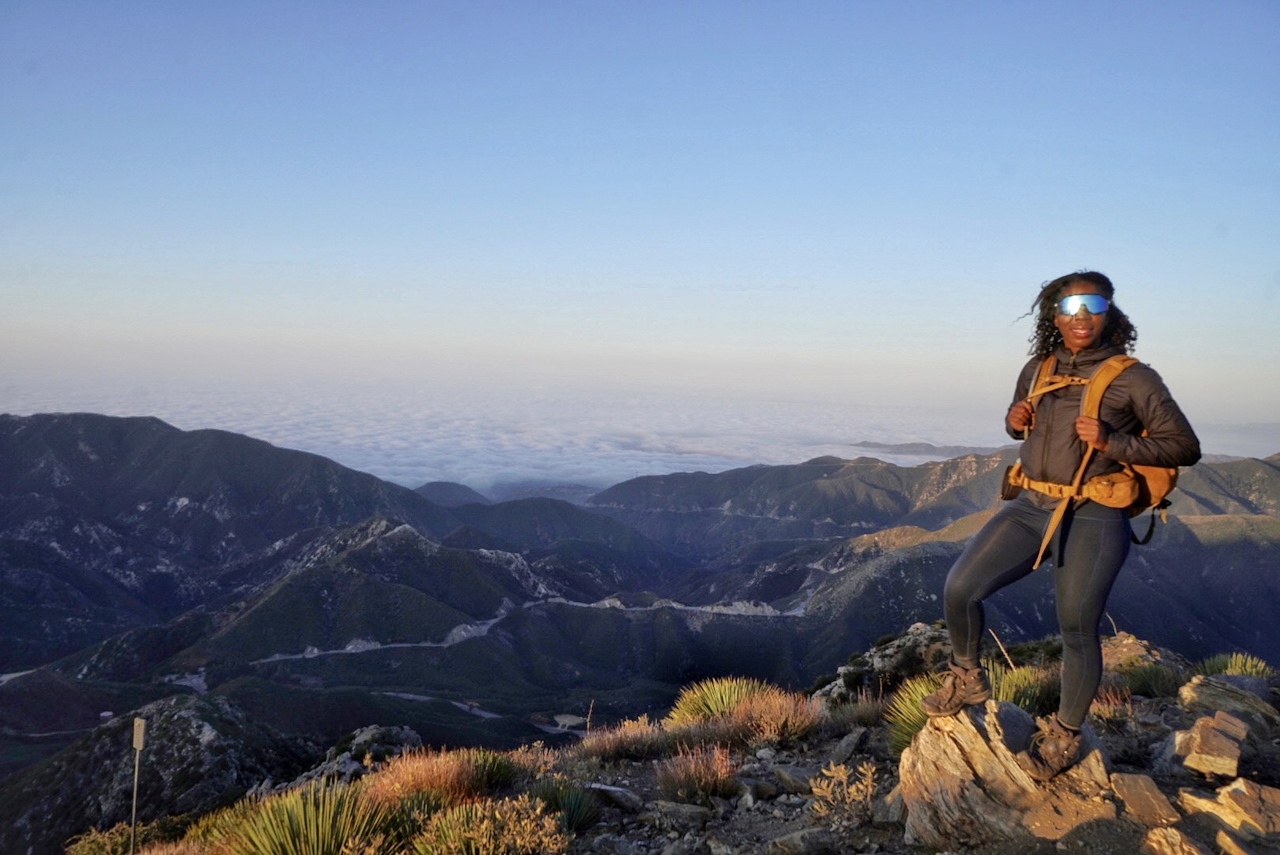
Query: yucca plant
(577, 807)
(319, 819)
(711, 699)
(1035, 689)
(1154, 680)
(903, 714)
(1235, 664)
(213, 827)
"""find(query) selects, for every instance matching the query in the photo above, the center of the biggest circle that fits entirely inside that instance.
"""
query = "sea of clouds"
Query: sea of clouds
(415, 433)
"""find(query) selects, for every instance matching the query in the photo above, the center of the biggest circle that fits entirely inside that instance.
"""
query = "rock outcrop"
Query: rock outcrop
(199, 753)
(961, 783)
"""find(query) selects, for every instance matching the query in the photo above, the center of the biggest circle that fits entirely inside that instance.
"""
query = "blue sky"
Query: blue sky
(567, 221)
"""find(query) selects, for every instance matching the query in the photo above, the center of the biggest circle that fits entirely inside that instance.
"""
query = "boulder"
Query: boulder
(852, 742)
(808, 841)
(1207, 695)
(1212, 746)
(794, 779)
(961, 783)
(1123, 652)
(1249, 809)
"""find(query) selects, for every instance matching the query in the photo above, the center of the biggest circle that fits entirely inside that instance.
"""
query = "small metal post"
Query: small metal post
(139, 739)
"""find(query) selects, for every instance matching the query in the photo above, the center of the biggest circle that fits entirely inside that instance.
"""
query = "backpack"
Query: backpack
(1135, 488)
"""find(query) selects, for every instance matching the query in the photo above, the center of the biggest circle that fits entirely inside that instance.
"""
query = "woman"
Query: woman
(1138, 423)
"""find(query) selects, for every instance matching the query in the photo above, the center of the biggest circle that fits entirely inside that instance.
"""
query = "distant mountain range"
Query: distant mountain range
(139, 561)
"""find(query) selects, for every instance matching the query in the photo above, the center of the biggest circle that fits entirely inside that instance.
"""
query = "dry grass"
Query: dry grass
(452, 776)
(696, 774)
(865, 710)
(633, 739)
(776, 717)
(1113, 705)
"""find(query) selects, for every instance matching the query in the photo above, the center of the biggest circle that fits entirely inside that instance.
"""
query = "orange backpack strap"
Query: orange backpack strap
(1101, 378)
(1090, 405)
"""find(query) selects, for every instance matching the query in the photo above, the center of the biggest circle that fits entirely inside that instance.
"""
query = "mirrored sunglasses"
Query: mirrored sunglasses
(1094, 304)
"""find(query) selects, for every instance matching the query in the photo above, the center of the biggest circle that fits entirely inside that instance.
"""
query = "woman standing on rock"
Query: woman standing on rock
(1138, 423)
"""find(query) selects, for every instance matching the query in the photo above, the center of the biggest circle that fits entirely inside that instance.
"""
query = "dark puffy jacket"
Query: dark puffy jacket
(1136, 400)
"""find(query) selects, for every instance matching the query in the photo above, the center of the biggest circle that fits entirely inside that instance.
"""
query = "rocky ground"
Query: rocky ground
(1199, 773)
(774, 819)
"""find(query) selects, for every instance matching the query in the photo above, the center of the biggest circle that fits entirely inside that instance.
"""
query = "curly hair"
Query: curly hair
(1119, 331)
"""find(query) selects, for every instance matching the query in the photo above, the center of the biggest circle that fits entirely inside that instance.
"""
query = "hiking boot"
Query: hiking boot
(1054, 748)
(961, 687)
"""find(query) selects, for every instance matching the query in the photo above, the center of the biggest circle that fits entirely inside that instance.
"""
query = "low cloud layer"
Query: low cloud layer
(414, 434)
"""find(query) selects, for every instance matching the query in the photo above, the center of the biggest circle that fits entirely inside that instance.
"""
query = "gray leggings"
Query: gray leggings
(1088, 550)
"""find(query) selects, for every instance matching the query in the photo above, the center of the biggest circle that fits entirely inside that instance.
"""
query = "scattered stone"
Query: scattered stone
(1170, 841)
(849, 745)
(1211, 750)
(1143, 801)
(890, 809)
(1211, 694)
(794, 779)
(618, 797)
(961, 783)
(677, 815)
(808, 841)
(716, 847)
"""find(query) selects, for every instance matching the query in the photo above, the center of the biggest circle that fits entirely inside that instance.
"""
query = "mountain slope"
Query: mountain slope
(107, 523)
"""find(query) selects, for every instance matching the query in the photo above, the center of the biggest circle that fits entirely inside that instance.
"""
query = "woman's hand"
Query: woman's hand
(1020, 416)
(1093, 432)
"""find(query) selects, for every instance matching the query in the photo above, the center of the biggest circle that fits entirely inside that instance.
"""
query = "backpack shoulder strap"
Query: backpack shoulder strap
(1091, 402)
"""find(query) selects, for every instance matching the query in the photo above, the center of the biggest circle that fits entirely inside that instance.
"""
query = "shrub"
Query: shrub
(864, 710)
(903, 713)
(633, 739)
(318, 819)
(182, 847)
(1235, 664)
(776, 717)
(1154, 681)
(517, 826)
(577, 807)
(840, 801)
(533, 760)
(696, 774)
(116, 840)
(1044, 652)
(452, 776)
(711, 699)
